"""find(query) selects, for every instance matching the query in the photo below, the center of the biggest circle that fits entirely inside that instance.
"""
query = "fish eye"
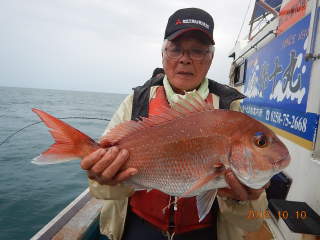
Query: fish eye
(261, 141)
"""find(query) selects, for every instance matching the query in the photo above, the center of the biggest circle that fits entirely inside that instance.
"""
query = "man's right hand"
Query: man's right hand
(103, 166)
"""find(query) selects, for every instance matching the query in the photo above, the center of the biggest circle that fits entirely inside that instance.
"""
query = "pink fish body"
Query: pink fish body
(184, 151)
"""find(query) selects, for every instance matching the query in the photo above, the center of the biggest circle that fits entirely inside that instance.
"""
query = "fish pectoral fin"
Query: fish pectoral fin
(219, 171)
(204, 202)
(137, 187)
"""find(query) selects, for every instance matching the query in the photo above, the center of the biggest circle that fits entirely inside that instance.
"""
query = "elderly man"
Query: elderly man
(187, 54)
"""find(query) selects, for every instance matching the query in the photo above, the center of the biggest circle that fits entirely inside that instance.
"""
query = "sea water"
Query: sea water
(31, 195)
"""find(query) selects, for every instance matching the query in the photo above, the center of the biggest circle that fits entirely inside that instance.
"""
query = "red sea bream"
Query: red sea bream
(183, 152)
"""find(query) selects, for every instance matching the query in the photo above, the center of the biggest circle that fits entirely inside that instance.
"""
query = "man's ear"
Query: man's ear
(162, 60)
(210, 61)
(212, 56)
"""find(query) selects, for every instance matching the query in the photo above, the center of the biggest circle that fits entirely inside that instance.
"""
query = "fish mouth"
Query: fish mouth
(282, 163)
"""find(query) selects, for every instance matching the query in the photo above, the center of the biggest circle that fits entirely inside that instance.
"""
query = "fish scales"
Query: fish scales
(174, 155)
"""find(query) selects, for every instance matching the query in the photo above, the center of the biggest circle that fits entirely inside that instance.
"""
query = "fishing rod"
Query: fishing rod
(101, 118)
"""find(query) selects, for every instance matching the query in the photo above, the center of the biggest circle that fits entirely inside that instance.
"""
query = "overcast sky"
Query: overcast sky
(101, 45)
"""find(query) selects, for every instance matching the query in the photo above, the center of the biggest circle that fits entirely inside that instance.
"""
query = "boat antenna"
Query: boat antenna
(243, 21)
(106, 119)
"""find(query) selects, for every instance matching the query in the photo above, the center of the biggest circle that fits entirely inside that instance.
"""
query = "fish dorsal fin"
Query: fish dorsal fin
(185, 107)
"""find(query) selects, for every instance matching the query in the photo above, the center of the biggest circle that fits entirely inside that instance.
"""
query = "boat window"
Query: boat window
(261, 12)
(239, 74)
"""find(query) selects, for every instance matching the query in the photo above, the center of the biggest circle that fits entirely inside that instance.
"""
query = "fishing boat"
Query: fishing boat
(277, 68)
(79, 220)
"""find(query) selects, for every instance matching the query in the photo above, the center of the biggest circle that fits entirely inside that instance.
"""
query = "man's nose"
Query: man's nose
(185, 58)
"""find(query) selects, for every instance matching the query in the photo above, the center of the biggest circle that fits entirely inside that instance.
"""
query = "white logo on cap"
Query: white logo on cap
(196, 22)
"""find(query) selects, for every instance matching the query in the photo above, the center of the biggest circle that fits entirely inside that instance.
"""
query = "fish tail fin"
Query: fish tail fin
(70, 144)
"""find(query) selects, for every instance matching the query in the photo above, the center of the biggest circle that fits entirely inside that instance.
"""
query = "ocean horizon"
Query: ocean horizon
(31, 195)
(2, 86)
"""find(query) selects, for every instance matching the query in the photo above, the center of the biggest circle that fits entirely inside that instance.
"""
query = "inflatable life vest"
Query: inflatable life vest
(149, 206)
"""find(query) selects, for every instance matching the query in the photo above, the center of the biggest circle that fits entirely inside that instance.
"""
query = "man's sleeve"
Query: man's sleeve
(239, 215)
(120, 191)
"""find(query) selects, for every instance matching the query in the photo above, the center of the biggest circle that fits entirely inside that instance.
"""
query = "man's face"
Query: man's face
(185, 73)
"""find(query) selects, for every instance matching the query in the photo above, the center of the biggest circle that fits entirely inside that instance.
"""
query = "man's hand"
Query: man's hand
(103, 166)
(239, 191)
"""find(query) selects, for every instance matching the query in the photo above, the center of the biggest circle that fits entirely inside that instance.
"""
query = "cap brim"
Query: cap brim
(178, 33)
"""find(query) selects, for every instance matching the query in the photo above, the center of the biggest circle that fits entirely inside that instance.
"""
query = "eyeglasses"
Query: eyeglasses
(195, 53)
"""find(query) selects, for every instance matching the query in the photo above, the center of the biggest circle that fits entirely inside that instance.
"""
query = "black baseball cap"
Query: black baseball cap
(189, 19)
(157, 71)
